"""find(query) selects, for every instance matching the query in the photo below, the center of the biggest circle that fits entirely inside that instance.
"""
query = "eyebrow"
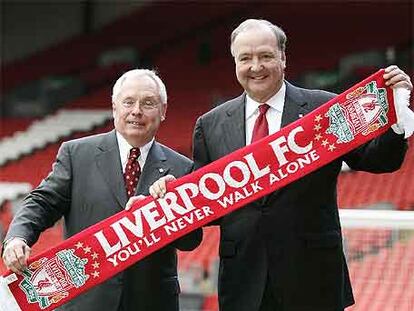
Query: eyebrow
(244, 54)
(153, 97)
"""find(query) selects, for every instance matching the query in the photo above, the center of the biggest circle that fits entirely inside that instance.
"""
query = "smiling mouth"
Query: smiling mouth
(258, 78)
(135, 123)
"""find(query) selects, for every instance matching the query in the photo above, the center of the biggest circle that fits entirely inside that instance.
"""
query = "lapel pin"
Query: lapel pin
(161, 170)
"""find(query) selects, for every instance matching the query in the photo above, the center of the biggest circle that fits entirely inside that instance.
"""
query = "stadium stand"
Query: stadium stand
(390, 286)
(50, 129)
(135, 32)
(12, 190)
(9, 126)
(356, 189)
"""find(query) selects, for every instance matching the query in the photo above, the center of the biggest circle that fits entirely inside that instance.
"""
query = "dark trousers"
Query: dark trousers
(269, 302)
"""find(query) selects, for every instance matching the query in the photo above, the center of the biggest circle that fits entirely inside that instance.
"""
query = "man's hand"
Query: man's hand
(15, 255)
(159, 188)
(395, 77)
(132, 200)
(402, 86)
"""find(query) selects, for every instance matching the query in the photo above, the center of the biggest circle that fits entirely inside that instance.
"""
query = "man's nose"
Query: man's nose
(137, 109)
(256, 64)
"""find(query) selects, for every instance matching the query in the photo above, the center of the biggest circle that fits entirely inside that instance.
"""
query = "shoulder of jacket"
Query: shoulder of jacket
(222, 108)
(313, 93)
(171, 153)
(87, 140)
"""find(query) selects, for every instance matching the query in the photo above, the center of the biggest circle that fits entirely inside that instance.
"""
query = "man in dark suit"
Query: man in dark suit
(282, 252)
(92, 179)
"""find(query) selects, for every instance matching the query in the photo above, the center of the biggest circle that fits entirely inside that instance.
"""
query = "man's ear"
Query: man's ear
(113, 109)
(164, 111)
(283, 58)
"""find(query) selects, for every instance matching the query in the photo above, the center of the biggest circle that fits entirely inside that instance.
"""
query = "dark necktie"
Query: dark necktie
(132, 172)
(261, 128)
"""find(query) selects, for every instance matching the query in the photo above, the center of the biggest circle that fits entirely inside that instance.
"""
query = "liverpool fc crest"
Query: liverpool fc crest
(364, 111)
(48, 280)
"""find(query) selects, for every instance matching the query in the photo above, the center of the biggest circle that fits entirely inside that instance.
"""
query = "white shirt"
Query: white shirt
(273, 114)
(125, 147)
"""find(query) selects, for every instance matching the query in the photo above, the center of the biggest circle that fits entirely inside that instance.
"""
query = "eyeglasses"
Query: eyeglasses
(146, 105)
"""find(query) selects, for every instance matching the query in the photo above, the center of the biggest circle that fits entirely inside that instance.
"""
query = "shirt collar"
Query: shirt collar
(276, 102)
(125, 147)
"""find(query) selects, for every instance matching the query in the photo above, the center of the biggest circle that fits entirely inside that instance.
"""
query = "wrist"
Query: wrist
(5, 242)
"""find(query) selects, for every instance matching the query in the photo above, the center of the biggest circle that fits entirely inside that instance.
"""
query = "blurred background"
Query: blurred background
(59, 60)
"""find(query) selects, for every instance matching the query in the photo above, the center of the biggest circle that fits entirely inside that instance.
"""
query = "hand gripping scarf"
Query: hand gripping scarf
(99, 252)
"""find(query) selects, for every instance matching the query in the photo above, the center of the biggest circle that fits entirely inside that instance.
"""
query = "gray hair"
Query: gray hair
(135, 73)
(254, 23)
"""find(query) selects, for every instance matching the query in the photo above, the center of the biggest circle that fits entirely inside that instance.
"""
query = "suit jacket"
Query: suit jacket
(86, 186)
(292, 237)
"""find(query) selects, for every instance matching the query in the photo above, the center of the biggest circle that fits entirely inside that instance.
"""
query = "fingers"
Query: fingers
(15, 255)
(156, 190)
(159, 188)
(132, 200)
(169, 178)
(391, 68)
(395, 77)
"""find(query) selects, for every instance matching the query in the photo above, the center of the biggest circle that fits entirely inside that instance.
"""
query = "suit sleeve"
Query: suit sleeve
(193, 239)
(47, 203)
(201, 155)
(383, 154)
(200, 152)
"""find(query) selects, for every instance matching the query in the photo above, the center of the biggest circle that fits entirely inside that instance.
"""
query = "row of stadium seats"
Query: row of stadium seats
(138, 32)
(361, 242)
(50, 129)
(356, 189)
(9, 126)
(383, 281)
(12, 190)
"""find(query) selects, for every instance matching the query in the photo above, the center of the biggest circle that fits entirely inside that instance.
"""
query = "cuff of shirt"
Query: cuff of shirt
(405, 117)
(397, 129)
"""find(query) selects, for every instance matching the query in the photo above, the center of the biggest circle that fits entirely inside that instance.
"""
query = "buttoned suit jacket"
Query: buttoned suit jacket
(291, 237)
(86, 186)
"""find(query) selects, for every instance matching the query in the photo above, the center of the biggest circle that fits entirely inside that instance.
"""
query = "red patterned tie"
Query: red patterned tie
(261, 128)
(132, 172)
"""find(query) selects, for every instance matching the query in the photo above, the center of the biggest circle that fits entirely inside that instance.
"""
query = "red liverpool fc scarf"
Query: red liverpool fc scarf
(110, 246)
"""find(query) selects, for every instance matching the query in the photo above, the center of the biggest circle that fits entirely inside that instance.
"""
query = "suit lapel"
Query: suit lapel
(295, 107)
(109, 164)
(234, 128)
(234, 125)
(155, 167)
